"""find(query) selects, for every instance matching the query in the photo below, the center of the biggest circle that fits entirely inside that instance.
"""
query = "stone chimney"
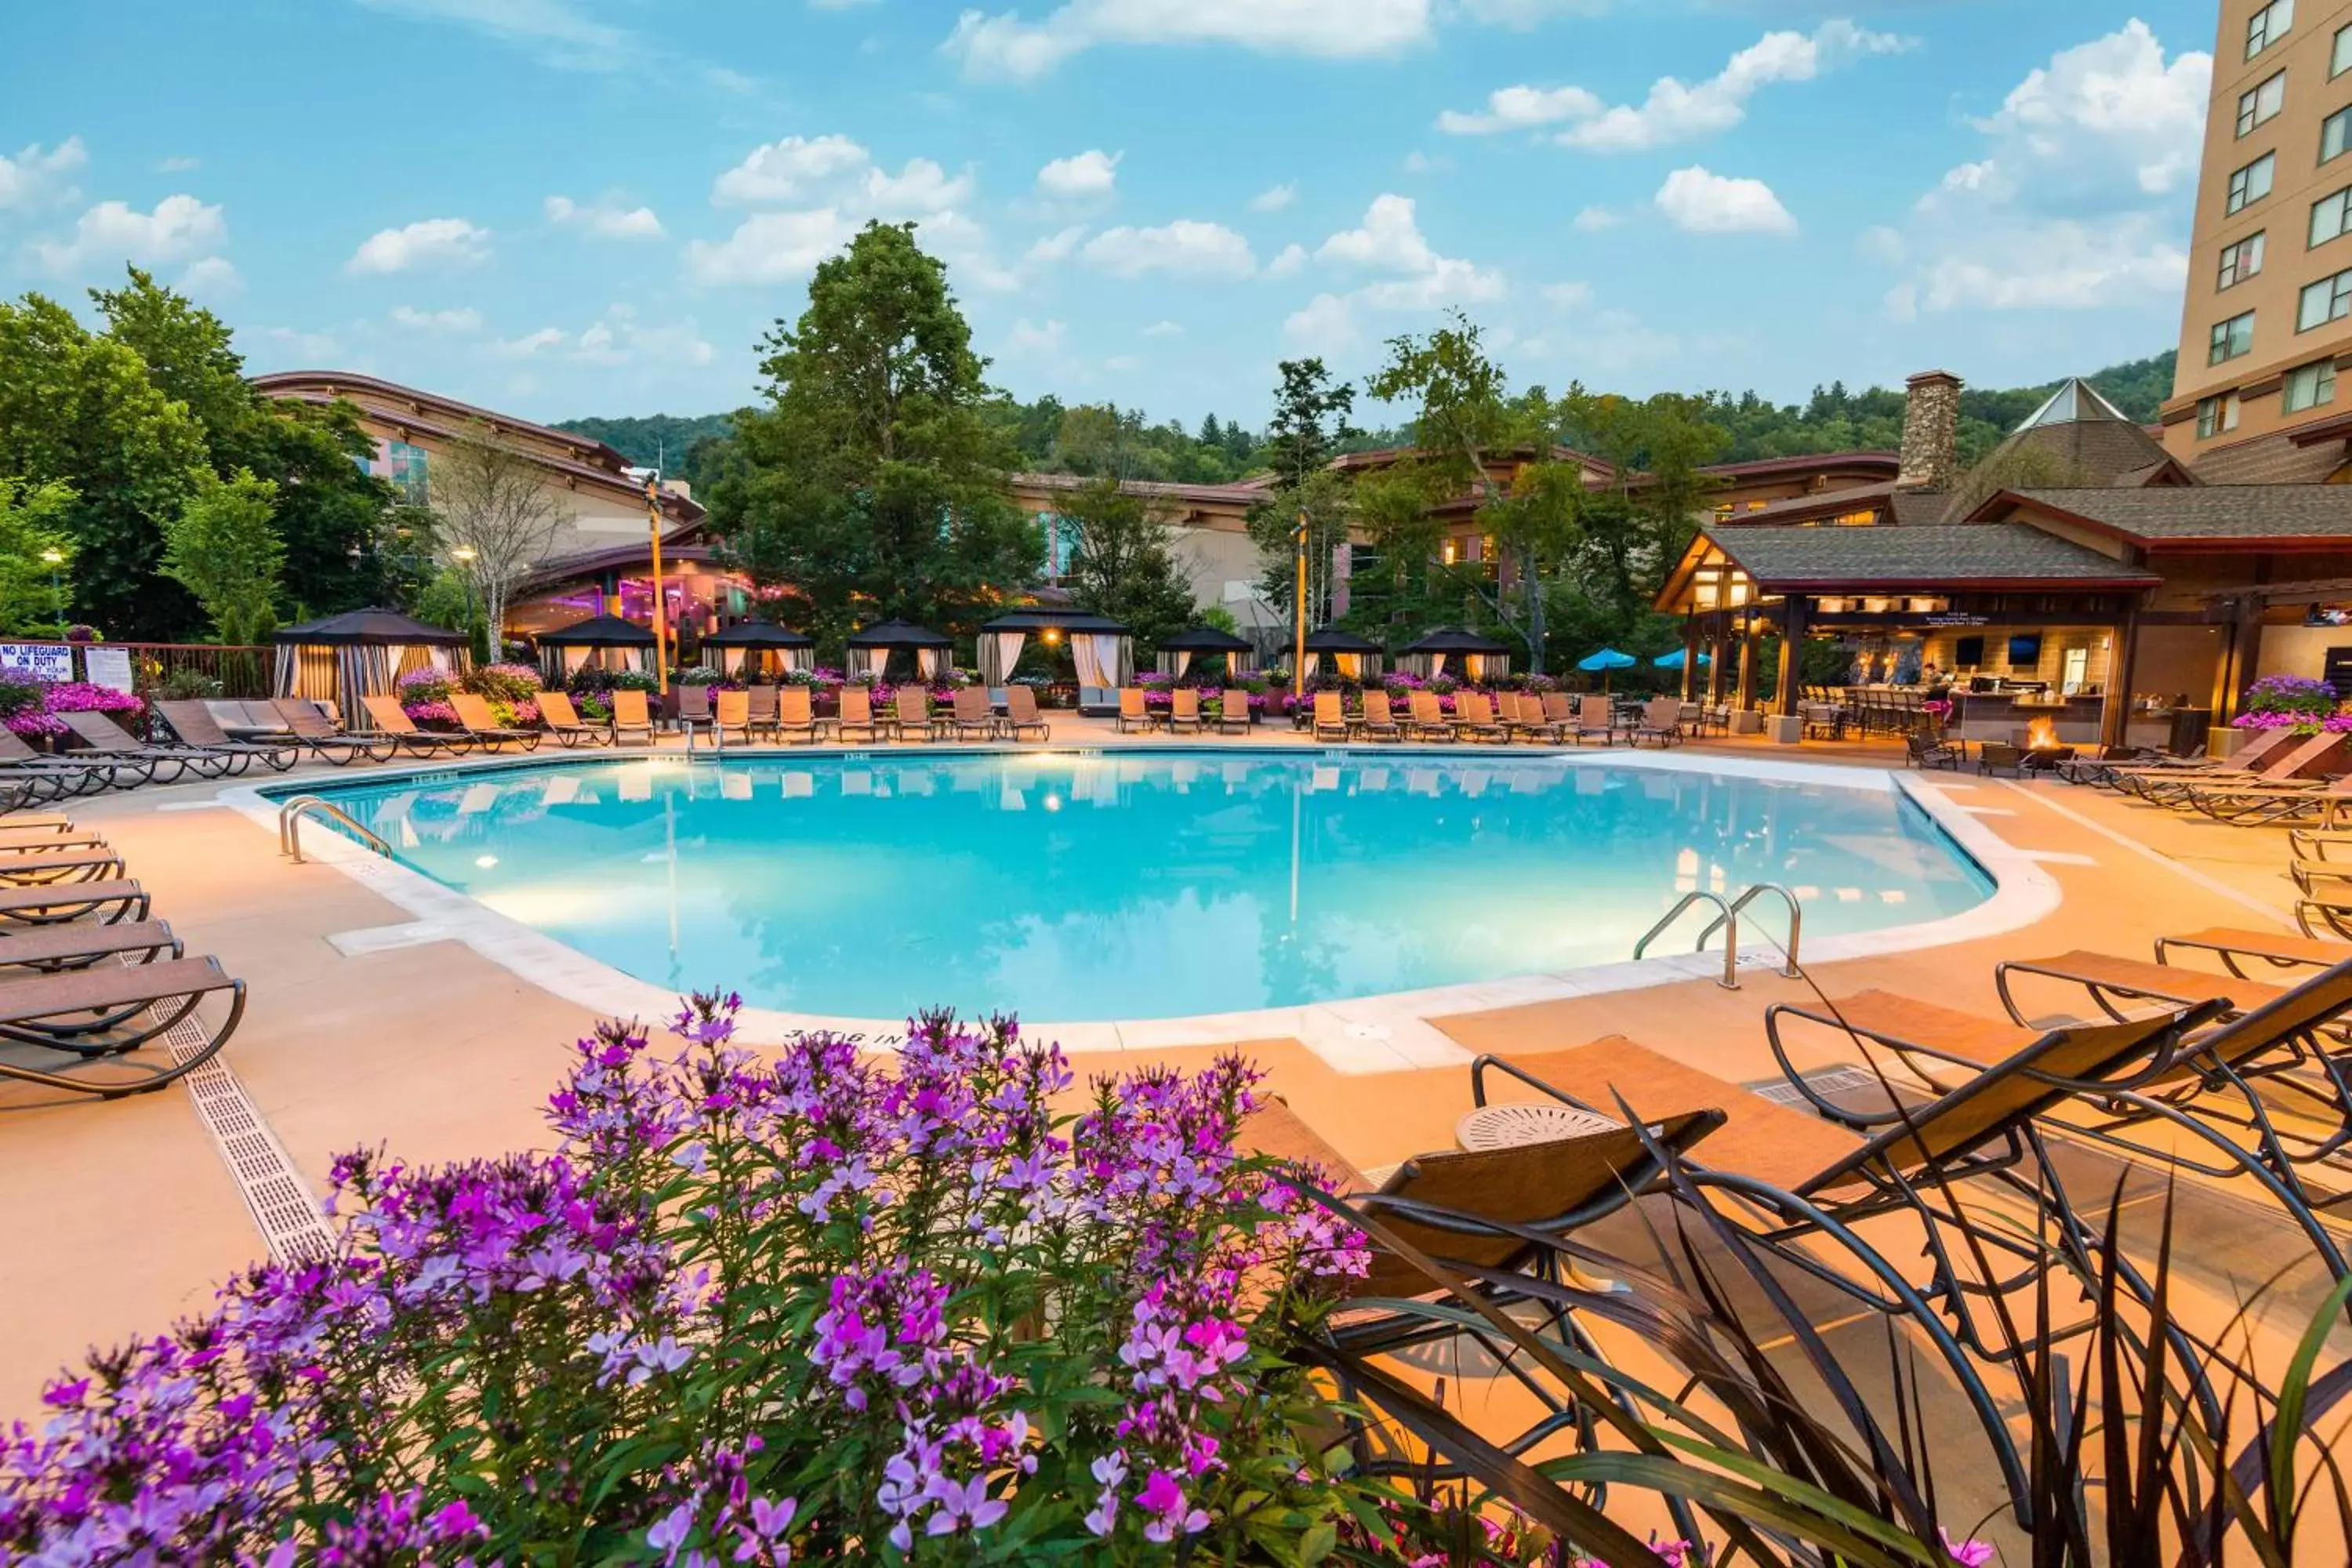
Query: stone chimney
(1931, 432)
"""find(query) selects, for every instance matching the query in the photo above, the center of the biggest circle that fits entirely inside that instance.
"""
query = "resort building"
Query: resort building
(2267, 319)
(1209, 526)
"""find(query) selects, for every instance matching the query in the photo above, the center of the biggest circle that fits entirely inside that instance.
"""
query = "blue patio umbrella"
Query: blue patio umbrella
(1607, 659)
(1675, 660)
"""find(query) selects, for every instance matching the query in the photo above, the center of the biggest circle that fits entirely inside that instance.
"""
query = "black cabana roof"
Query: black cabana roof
(1453, 639)
(599, 631)
(898, 634)
(370, 625)
(1331, 639)
(758, 634)
(1204, 640)
(1042, 619)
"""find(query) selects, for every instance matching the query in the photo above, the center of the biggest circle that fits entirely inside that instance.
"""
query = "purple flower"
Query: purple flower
(1970, 1553)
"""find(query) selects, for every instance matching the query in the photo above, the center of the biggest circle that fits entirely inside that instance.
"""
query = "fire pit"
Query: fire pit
(2042, 752)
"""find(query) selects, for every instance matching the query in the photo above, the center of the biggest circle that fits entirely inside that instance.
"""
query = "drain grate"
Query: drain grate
(1827, 1082)
(284, 1208)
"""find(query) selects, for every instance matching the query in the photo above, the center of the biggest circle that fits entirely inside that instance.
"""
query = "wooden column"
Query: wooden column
(1690, 656)
(1746, 690)
(1715, 660)
(2114, 718)
(1793, 650)
(2243, 657)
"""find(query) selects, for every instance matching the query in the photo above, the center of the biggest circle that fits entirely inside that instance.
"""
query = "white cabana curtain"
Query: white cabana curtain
(1000, 652)
(1436, 664)
(800, 659)
(730, 660)
(1181, 660)
(1348, 664)
(1474, 665)
(867, 661)
(1093, 671)
(1311, 660)
(930, 662)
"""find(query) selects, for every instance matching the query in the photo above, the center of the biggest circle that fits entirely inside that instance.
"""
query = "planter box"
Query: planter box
(1748, 721)
(1786, 729)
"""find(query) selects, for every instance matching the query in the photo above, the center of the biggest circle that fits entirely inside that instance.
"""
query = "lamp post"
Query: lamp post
(661, 608)
(1299, 616)
(55, 558)
(464, 555)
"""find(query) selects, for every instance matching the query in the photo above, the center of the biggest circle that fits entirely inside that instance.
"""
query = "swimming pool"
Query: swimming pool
(1079, 887)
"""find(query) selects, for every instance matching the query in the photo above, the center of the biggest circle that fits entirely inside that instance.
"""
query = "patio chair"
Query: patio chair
(2281, 763)
(192, 724)
(482, 726)
(50, 777)
(1233, 711)
(1380, 720)
(1133, 714)
(1021, 715)
(693, 707)
(97, 732)
(1184, 710)
(1428, 721)
(761, 710)
(857, 714)
(914, 720)
(2090, 770)
(79, 945)
(1999, 756)
(2261, 746)
(103, 1013)
(731, 714)
(1923, 751)
(796, 715)
(393, 724)
(313, 733)
(970, 715)
(1474, 719)
(1596, 716)
(1661, 721)
(61, 901)
(46, 868)
(2264, 803)
(1522, 714)
(632, 715)
(1330, 717)
(563, 722)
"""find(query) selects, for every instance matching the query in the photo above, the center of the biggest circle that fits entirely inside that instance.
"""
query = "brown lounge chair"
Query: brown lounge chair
(314, 734)
(2265, 745)
(54, 777)
(60, 901)
(101, 734)
(1184, 710)
(693, 703)
(2309, 760)
(857, 713)
(98, 865)
(1330, 717)
(760, 702)
(1662, 720)
(192, 724)
(1596, 716)
(1021, 715)
(969, 715)
(482, 726)
(1428, 721)
(393, 724)
(2269, 804)
(79, 945)
(1380, 720)
(1474, 717)
(1233, 711)
(731, 714)
(563, 722)
(1134, 713)
(108, 1010)
(632, 715)
(914, 719)
(1522, 713)
(797, 716)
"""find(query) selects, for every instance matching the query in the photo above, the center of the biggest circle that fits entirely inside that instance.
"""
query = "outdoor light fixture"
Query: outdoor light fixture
(485, 862)
(463, 553)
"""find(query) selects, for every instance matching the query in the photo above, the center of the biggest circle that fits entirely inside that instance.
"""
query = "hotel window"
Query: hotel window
(1452, 552)
(404, 466)
(2253, 183)
(2341, 60)
(1864, 519)
(2308, 387)
(2331, 216)
(2230, 339)
(2268, 25)
(2261, 102)
(2329, 300)
(2241, 260)
(2217, 415)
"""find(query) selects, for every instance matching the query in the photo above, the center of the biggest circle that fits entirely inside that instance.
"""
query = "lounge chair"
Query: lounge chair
(47, 777)
(1596, 716)
(1330, 717)
(61, 901)
(101, 734)
(315, 735)
(1924, 751)
(1474, 719)
(108, 1010)
(1184, 710)
(563, 722)
(2307, 757)
(1428, 721)
(483, 726)
(1662, 720)
(693, 703)
(2262, 746)
(86, 865)
(1021, 715)
(1522, 715)
(2095, 769)
(969, 717)
(1133, 714)
(2274, 951)
(1380, 720)
(857, 714)
(192, 724)
(2251, 804)
(1233, 711)
(760, 707)
(392, 724)
(632, 715)
(731, 714)
(915, 720)
(79, 944)
(796, 715)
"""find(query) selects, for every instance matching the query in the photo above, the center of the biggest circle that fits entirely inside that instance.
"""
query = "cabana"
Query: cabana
(1481, 658)
(759, 647)
(1352, 657)
(1103, 650)
(361, 653)
(607, 642)
(1177, 652)
(871, 648)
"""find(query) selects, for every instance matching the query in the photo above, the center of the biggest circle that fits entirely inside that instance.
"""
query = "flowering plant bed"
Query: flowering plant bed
(2283, 701)
(30, 707)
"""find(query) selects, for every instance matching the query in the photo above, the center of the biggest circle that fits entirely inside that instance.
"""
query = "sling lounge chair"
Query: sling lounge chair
(482, 726)
(693, 705)
(857, 714)
(1330, 717)
(1662, 720)
(760, 705)
(137, 1003)
(1379, 721)
(194, 725)
(796, 716)
(632, 715)
(314, 734)
(79, 944)
(101, 734)
(1021, 715)
(54, 777)
(1133, 714)
(1596, 716)
(1233, 711)
(563, 722)
(731, 714)
(2263, 744)
(1184, 710)
(1428, 722)
(915, 721)
(394, 724)
(98, 865)
(2268, 805)
(1474, 719)
(2309, 757)
(969, 715)
(1522, 714)
(59, 901)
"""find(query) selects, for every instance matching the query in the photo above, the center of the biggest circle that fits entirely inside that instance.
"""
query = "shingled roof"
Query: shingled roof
(2210, 516)
(2089, 435)
(1935, 556)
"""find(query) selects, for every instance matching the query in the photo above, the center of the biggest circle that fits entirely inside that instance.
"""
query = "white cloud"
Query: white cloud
(35, 175)
(529, 344)
(1675, 111)
(1006, 47)
(1698, 202)
(1081, 177)
(1420, 163)
(1567, 296)
(618, 338)
(1164, 330)
(180, 229)
(452, 323)
(770, 247)
(922, 186)
(448, 242)
(1185, 248)
(176, 166)
(1122, 363)
(1325, 325)
(1274, 198)
(210, 277)
(602, 220)
(833, 186)
(1389, 240)
(1058, 246)
(1047, 341)
(556, 31)
(788, 171)
(1596, 220)
(1527, 13)
(2080, 199)
(1292, 258)
(317, 348)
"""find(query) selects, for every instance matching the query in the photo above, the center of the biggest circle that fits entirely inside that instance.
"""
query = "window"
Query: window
(2334, 135)
(2308, 387)
(2329, 300)
(2253, 183)
(2268, 25)
(2241, 260)
(404, 465)
(2231, 338)
(2261, 102)
(2341, 60)
(2217, 415)
(2331, 216)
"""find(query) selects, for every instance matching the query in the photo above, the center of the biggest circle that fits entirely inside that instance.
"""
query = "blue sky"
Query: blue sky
(561, 208)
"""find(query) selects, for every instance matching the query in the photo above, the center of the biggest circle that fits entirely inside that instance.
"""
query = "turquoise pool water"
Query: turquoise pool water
(1075, 889)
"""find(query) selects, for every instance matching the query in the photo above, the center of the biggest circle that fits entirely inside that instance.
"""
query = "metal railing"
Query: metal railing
(289, 825)
(1796, 923)
(1726, 921)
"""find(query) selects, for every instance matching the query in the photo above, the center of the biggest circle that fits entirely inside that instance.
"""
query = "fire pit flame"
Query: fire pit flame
(2041, 735)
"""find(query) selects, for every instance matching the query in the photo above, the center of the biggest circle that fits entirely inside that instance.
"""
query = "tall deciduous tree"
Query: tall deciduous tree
(494, 515)
(1310, 423)
(875, 479)
(1123, 561)
(224, 548)
(35, 589)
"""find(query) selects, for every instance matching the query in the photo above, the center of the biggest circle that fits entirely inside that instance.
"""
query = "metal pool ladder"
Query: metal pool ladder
(1726, 921)
(289, 825)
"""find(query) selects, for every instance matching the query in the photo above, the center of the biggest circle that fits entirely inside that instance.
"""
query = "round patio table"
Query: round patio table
(1516, 1125)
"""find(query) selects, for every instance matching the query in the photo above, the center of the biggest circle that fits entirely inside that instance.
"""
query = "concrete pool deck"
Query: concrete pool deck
(121, 1214)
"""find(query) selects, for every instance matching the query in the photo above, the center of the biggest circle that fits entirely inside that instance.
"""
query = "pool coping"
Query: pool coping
(1386, 1033)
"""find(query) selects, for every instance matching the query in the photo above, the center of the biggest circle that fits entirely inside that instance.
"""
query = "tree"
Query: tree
(494, 515)
(1310, 420)
(1123, 563)
(1273, 524)
(224, 548)
(875, 479)
(36, 558)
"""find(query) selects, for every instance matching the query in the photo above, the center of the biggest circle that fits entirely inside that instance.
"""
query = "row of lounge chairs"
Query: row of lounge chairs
(2278, 777)
(87, 976)
(786, 714)
(1548, 719)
